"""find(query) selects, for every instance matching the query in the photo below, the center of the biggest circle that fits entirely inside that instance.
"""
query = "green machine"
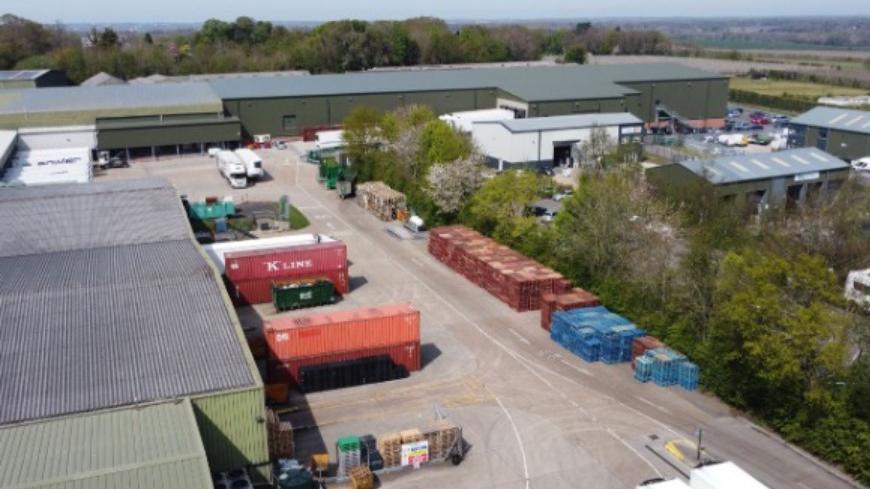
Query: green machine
(297, 294)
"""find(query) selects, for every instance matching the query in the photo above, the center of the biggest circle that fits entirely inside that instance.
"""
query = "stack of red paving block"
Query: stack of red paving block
(572, 299)
(516, 280)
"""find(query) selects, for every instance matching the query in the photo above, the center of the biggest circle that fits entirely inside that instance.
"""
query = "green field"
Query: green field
(794, 88)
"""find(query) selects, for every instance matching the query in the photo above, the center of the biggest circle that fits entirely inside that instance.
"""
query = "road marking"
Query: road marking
(650, 403)
(308, 207)
(519, 336)
(417, 262)
(516, 435)
(613, 434)
(330, 225)
(579, 369)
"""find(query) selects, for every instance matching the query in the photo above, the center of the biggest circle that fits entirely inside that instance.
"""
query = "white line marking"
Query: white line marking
(330, 225)
(654, 405)
(417, 262)
(613, 434)
(517, 436)
(579, 369)
(519, 336)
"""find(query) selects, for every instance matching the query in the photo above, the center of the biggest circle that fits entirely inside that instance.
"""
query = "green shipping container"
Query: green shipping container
(298, 294)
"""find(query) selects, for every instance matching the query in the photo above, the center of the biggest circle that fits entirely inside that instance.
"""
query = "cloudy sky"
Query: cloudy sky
(198, 10)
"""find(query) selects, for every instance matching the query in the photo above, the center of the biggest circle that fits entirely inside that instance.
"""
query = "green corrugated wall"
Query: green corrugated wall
(233, 428)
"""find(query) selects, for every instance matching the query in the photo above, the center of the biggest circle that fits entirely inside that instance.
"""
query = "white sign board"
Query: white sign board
(415, 453)
(806, 176)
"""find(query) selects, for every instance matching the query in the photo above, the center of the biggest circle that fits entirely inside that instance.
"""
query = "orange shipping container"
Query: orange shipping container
(323, 334)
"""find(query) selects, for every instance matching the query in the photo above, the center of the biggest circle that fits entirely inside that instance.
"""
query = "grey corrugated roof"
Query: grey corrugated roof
(101, 79)
(108, 97)
(157, 446)
(836, 118)
(7, 75)
(767, 165)
(7, 144)
(564, 82)
(567, 122)
(72, 217)
(105, 301)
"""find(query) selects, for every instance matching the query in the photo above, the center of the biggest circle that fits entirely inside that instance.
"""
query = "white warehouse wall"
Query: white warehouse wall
(44, 138)
(497, 142)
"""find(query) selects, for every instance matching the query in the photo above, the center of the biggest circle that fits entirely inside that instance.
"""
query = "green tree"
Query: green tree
(440, 143)
(576, 54)
(504, 198)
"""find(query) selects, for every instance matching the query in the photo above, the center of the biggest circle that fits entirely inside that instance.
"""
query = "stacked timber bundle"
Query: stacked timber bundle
(573, 299)
(390, 448)
(513, 278)
(280, 436)
(379, 199)
(361, 477)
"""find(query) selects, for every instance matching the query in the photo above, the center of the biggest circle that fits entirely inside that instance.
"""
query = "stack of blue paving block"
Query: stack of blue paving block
(594, 333)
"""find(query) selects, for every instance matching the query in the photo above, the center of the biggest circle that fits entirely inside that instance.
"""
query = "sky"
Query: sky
(306, 10)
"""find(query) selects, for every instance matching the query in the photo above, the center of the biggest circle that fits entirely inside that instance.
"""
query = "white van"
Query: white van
(232, 168)
(253, 163)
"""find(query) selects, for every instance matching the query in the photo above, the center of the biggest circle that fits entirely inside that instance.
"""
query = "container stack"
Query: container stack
(391, 331)
(348, 450)
(513, 278)
(594, 333)
(390, 448)
(572, 299)
(379, 199)
(280, 436)
(212, 208)
(250, 274)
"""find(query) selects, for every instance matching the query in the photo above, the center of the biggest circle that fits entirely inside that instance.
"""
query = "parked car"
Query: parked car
(279, 144)
(861, 165)
(759, 119)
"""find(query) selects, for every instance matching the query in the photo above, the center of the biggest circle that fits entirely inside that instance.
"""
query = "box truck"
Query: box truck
(253, 163)
(232, 168)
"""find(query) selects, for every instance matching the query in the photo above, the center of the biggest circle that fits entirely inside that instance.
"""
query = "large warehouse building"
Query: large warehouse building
(107, 304)
(841, 132)
(150, 120)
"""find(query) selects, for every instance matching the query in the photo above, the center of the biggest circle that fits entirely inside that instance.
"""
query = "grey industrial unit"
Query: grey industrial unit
(758, 180)
(106, 302)
(287, 106)
(156, 445)
(150, 119)
(548, 141)
(171, 118)
(33, 79)
(841, 132)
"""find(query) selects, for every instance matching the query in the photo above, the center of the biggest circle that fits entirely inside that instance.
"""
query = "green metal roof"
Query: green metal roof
(565, 82)
(836, 118)
(731, 169)
(148, 123)
(156, 446)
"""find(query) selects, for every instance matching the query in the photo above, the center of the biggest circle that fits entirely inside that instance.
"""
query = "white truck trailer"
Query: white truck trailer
(253, 163)
(232, 168)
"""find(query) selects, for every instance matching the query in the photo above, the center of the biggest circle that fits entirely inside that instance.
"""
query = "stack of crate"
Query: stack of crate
(390, 447)
(280, 436)
(361, 477)
(441, 436)
(348, 451)
(411, 436)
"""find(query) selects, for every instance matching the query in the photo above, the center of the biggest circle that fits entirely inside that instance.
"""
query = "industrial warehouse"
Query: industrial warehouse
(842, 132)
(167, 119)
(115, 311)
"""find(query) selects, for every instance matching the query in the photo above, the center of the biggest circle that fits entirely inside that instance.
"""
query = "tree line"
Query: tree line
(756, 302)
(246, 44)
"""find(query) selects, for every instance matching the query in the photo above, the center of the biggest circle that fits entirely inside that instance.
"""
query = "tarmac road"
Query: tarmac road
(534, 415)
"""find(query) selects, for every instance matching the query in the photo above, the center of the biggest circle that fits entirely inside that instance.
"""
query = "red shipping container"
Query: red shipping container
(406, 355)
(294, 262)
(343, 331)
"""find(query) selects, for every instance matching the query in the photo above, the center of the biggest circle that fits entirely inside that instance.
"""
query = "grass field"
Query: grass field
(794, 88)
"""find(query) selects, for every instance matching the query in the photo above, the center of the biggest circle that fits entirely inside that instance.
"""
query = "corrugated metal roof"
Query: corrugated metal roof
(7, 75)
(768, 165)
(566, 82)
(72, 217)
(110, 97)
(166, 122)
(567, 122)
(157, 446)
(7, 144)
(105, 301)
(836, 118)
(101, 79)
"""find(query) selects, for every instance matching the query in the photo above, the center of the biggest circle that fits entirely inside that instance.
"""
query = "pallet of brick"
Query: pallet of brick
(379, 199)
(361, 477)
(390, 448)
(573, 299)
(411, 436)
(280, 436)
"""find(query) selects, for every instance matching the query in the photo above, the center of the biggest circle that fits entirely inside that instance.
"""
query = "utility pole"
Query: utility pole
(700, 437)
